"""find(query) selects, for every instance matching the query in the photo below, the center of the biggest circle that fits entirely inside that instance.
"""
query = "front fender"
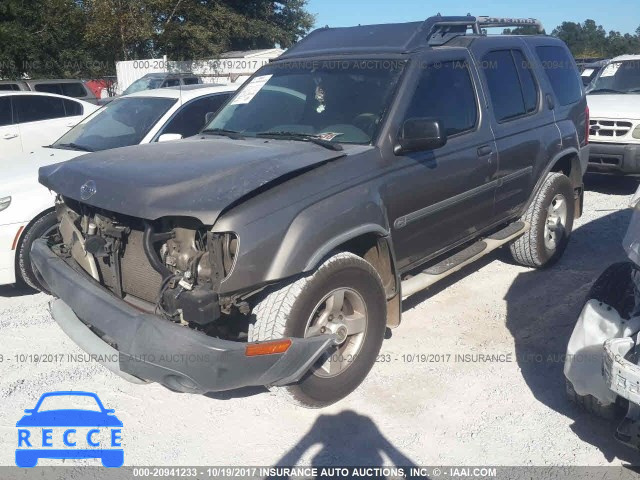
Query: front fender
(295, 239)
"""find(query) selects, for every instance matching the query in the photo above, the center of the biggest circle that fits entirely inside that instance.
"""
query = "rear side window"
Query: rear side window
(527, 82)
(72, 109)
(48, 88)
(562, 73)
(75, 90)
(445, 92)
(32, 108)
(5, 111)
(503, 71)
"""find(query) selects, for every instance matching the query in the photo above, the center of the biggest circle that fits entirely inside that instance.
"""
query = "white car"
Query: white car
(614, 107)
(26, 207)
(34, 119)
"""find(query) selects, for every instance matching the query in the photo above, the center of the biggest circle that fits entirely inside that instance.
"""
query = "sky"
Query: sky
(623, 16)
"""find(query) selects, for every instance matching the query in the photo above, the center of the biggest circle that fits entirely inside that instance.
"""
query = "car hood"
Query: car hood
(197, 177)
(625, 106)
(69, 418)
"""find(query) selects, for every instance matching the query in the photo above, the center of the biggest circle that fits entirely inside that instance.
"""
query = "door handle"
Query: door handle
(71, 124)
(9, 136)
(484, 151)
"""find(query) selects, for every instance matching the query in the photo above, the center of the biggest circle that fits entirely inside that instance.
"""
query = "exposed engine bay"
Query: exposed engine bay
(172, 267)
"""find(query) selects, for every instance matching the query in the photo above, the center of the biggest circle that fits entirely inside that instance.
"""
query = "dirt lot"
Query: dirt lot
(503, 405)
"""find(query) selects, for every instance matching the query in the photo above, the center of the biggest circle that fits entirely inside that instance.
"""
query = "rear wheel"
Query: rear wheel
(550, 216)
(343, 296)
(41, 228)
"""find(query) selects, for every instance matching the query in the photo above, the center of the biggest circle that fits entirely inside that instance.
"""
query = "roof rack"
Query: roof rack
(442, 29)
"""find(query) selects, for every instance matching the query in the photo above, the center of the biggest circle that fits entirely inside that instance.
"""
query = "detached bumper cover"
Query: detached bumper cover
(615, 158)
(138, 345)
(621, 376)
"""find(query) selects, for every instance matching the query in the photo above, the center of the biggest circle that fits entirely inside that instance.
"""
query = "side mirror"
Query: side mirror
(169, 137)
(29, 410)
(420, 134)
(208, 117)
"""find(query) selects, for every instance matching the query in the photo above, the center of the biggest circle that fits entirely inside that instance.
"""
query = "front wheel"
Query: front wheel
(343, 296)
(550, 216)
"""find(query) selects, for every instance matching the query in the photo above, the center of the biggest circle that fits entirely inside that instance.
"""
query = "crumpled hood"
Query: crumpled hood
(197, 177)
(626, 107)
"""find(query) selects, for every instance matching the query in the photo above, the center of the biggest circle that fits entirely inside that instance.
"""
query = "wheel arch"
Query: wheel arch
(373, 244)
(567, 162)
(23, 233)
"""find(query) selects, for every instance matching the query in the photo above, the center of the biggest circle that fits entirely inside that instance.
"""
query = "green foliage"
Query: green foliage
(84, 38)
(589, 40)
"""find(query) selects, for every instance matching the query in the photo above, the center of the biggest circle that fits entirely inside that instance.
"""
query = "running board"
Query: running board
(463, 258)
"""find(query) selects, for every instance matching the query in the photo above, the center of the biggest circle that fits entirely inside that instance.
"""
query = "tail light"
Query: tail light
(588, 125)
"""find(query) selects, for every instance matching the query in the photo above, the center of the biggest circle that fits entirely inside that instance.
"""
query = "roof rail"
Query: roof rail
(442, 29)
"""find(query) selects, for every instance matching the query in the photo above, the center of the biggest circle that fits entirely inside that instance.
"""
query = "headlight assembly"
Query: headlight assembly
(4, 203)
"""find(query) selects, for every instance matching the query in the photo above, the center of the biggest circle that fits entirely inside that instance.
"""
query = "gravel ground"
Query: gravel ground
(435, 410)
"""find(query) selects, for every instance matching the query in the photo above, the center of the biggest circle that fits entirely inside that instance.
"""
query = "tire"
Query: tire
(531, 249)
(291, 310)
(591, 404)
(33, 232)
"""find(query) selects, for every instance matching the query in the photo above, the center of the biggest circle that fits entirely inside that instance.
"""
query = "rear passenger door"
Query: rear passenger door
(522, 122)
(9, 132)
(43, 119)
(440, 197)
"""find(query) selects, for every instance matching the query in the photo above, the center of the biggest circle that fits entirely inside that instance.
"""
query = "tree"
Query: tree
(42, 38)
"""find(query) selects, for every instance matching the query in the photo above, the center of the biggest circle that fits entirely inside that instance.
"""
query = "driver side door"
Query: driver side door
(442, 197)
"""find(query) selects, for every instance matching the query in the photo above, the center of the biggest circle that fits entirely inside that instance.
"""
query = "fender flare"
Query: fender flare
(342, 238)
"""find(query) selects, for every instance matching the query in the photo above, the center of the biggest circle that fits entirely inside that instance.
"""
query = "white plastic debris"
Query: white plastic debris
(598, 322)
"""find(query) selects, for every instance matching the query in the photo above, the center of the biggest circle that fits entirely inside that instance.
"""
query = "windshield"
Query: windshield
(121, 123)
(69, 402)
(145, 83)
(618, 77)
(339, 101)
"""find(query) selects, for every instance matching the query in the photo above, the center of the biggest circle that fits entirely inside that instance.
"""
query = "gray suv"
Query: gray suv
(362, 166)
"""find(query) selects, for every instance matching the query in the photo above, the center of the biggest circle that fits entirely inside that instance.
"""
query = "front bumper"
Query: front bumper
(614, 158)
(141, 346)
(620, 375)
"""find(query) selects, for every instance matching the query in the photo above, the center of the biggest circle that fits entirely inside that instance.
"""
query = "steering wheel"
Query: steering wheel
(366, 122)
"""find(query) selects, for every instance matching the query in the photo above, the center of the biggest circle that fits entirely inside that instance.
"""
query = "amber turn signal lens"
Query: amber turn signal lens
(267, 348)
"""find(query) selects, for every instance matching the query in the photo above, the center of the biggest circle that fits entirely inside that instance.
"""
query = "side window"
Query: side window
(445, 92)
(5, 111)
(504, 85)
(191, 118)
(48, 88)
(75, 90)
(190, 81)
(172, 82)
(72, 109)
(562, 73)
(32, 108)
(527, 82)
(9, 86)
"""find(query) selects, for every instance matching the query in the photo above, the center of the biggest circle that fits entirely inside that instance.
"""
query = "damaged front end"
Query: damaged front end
(602, 365)
(143, 296)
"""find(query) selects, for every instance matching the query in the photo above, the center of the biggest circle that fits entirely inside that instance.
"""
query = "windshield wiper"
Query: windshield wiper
(605, 90)
(74, 146)
(224, 133)
(305, 137)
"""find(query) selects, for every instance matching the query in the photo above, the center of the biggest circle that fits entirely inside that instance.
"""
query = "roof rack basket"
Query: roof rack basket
(442, 29)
